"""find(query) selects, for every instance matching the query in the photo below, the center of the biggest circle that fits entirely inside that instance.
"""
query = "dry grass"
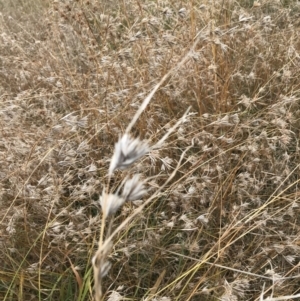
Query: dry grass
(223, 220)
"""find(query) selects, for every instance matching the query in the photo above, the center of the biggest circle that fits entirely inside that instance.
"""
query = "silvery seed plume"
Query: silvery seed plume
(127, 151)
(110, 203)
(133, 189)
(104, 269)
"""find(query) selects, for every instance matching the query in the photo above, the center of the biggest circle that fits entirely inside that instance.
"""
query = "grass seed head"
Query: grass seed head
(110, 203)
(127, 151)
(133, 189)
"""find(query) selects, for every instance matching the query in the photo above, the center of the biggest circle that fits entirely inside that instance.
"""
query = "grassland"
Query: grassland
(220, 219)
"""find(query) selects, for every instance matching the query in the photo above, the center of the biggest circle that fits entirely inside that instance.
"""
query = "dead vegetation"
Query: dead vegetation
(72, 76)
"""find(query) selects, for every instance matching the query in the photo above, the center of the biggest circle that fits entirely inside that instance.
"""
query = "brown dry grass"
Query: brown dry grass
(73, 74)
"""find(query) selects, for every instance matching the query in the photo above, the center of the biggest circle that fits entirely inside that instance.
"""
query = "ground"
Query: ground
(214, 212)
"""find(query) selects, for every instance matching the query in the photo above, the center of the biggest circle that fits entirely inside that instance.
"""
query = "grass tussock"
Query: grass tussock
(170, 205)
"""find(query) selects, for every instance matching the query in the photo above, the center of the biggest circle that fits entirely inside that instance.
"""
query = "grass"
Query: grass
(214, 214)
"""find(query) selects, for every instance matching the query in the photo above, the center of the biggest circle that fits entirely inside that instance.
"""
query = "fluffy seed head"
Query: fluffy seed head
(110, 203)
(133, 189)
(127, 151)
